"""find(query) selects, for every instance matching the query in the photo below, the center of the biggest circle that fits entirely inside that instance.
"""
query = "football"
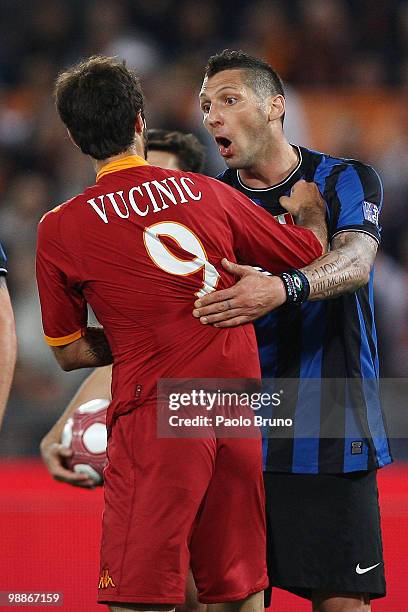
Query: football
(85, 434)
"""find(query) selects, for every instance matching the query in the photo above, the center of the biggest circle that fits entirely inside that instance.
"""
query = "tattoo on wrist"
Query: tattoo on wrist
(340, 281)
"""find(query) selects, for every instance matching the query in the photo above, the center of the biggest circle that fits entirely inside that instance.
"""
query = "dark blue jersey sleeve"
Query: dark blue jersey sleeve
(3, 261)
(359, 195)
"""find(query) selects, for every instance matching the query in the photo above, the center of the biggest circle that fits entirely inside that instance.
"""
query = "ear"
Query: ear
(140, 124)
(276, 107)
(72, 139)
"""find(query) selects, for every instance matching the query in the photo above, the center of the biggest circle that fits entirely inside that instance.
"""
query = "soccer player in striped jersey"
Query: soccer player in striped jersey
(316, 323)
(8, 340)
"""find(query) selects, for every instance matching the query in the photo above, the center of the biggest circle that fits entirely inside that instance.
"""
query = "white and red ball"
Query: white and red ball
(85, 433)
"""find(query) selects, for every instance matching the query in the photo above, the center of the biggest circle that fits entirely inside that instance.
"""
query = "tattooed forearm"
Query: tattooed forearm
(344, 269)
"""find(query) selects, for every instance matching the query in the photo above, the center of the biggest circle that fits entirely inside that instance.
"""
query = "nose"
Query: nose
(214, 117)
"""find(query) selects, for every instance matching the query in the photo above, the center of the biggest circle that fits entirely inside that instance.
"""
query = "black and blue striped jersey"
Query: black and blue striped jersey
(331, 344)
(3, 261)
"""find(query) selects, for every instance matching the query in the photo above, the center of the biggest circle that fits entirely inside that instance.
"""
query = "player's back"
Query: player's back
(143, 243)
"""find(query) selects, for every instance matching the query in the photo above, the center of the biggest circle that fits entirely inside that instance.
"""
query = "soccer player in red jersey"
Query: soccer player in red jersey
(175, 151)
(139, 246)
(168, 149)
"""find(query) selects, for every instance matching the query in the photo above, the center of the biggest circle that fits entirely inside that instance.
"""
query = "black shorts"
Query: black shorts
(323, 534)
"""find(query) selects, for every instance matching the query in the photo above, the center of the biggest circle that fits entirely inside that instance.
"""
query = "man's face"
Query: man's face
(235, 117)
(163, 159)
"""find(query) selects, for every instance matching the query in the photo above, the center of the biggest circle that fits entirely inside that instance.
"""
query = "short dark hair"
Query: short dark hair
(99, 99)
(186, 147)
(260, 75)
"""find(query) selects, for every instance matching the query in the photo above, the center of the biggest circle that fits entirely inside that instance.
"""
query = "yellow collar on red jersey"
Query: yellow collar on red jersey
(131, 161)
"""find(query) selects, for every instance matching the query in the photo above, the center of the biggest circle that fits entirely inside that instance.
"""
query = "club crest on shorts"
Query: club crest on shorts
(357, 447)
(105, 580)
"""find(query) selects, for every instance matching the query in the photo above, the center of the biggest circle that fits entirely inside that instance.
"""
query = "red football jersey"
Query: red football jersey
(139, 247)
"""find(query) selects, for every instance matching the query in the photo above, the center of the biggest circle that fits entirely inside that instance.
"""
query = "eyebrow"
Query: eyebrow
(203, 95)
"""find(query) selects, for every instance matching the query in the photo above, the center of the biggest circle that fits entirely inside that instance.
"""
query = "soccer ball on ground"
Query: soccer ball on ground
(85, 433)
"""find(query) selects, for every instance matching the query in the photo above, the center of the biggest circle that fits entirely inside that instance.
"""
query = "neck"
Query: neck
(274, 166)
(135, 149)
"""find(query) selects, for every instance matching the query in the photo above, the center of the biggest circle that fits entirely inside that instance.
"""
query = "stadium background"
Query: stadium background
(345, 63)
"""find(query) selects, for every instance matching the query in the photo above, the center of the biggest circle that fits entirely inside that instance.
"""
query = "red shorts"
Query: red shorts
(175, 503)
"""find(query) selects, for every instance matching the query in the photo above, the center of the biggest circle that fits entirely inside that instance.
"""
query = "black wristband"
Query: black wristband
(296, 286)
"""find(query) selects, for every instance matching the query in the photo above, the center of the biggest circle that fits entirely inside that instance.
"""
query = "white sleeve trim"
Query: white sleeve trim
(360, 231)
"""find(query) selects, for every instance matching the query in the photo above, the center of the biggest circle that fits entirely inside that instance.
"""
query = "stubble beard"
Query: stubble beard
(244, 162)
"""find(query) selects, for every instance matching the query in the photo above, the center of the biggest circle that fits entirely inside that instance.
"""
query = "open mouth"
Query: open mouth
(224, 146)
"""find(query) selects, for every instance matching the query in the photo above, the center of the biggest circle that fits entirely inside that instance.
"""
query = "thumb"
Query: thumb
(298, 184)
(233, 268)
(284, 201)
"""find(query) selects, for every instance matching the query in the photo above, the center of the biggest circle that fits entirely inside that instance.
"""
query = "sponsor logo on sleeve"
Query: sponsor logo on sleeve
(371, 212)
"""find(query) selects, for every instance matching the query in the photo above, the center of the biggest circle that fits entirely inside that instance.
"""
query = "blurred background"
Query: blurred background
(345, 65)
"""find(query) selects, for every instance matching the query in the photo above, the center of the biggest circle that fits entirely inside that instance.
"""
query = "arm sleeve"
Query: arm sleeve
(260, 240)
(63, 308)
(358, 196)
(3, 262)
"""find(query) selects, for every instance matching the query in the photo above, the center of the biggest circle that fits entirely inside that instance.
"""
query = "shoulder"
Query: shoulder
(228, 192)
(325, 161)
(70, 207)
(215, 184)
(54, 214)
(360, 179)
(368, 175)
(349, 169)
(364, 171)
(50, 225)
(228, 177)
(347, 176)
